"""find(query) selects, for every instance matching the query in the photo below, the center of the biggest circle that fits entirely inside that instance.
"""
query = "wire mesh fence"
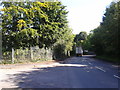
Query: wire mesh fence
(27, 55)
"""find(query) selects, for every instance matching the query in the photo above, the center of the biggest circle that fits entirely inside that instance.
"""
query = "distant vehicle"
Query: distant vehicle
(79, 51)
(85, 52)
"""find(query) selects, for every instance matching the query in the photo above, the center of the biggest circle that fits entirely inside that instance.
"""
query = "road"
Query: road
(75, 72)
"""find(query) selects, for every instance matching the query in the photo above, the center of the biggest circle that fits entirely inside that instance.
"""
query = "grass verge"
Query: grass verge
(109, 59)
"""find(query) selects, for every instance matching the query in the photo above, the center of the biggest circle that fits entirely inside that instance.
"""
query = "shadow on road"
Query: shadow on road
(79, 73)
(50, 77)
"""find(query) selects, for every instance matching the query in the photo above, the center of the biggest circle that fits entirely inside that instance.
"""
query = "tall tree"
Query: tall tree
(79, 38)
(105, 37)
(32, 23)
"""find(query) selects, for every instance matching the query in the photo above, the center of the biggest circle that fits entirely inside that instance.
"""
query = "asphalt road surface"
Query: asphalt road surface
(76, 72)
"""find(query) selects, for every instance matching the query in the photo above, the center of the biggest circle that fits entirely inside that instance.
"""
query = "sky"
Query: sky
(85, 15)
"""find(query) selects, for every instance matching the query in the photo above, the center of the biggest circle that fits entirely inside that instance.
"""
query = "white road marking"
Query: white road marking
(90, 63)
(116, 76)
(100, 69)
(57, 64)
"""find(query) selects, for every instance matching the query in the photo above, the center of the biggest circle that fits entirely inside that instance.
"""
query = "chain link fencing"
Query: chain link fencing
(27, 55)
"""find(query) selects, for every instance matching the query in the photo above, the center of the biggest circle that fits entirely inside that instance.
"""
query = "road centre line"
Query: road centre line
(100, 69)
(116, 76)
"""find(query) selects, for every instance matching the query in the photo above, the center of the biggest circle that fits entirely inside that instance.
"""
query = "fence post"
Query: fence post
(31, 53)
(68, 53)
(13, 55)
(0, 40)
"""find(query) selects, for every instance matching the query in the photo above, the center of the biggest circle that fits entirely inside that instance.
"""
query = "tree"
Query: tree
(32, 23)
(79, 38)
(105, 38)
(86, 44)
(63, 46)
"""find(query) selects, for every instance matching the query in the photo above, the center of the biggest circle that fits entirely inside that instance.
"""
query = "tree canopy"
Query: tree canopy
(79, 38)
(26, 24)
(104, 39)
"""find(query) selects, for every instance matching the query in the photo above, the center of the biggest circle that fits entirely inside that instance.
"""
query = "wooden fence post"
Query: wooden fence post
(13, 55)
(31, 53)
(1, 40)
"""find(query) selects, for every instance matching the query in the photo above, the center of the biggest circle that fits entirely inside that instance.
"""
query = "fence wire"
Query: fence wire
(26, 55)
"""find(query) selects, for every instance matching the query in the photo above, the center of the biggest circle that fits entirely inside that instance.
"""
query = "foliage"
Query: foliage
(80, 38)
(42, 24)
(64, 45)
(86, 44)
(105, 38)
(26, 24)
